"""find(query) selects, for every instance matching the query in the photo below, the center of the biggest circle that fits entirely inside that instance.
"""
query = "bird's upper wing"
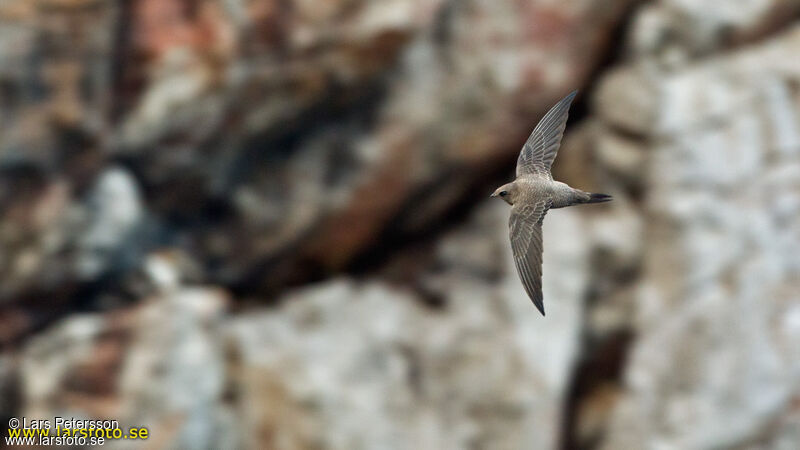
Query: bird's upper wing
(525, 227)
(540, 150)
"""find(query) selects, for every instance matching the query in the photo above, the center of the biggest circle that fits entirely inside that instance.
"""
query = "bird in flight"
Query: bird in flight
(534, 192)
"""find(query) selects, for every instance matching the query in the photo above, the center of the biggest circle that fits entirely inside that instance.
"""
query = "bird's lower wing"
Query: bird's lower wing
(525, 228)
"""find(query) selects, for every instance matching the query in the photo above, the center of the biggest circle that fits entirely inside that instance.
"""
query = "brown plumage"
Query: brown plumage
(534, 192)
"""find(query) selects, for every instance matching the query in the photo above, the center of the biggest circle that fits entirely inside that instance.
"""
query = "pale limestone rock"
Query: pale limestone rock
(714, 361)
(114, 212)
(485, 370)
(159, 366)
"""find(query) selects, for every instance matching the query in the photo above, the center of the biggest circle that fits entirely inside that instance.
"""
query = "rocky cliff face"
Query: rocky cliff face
(264, 224)
(714, 363)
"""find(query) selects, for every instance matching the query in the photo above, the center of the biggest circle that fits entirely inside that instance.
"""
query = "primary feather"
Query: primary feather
(540, 150)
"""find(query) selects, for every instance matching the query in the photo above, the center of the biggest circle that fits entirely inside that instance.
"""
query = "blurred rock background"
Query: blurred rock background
(265, 223)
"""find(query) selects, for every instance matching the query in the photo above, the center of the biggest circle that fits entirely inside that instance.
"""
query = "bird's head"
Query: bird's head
(507, 192)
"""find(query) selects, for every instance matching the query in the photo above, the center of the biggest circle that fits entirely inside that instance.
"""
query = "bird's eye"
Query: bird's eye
(503, 193)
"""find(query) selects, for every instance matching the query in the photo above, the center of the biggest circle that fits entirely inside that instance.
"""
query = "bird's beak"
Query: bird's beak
(493, 195)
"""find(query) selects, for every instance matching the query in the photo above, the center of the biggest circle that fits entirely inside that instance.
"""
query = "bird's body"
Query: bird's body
(533, 187)
(534, 192)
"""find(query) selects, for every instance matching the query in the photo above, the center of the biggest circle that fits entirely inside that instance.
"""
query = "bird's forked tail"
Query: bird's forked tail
(598, 198)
